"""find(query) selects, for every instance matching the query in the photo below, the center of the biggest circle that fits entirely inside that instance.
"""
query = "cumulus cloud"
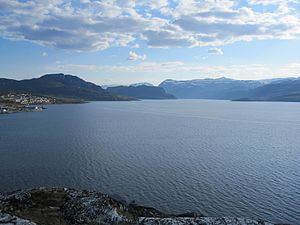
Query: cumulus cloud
(135, 46)
(133, 56)
(215, 51)
(88, 25)
(44, 54)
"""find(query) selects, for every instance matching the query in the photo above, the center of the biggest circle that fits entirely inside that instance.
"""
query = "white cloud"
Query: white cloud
(96, 25)
(135, 46)
(133, 56)
(215, 51)
(44, 54)
(269, 2)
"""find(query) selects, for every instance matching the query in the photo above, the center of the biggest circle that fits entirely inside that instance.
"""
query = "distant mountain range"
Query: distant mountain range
(141, 91)
(278, 90)
(61, 86)
(285, 89)
(72, 87)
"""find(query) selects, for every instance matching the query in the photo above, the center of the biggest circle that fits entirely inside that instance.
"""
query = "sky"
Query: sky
(113, 42)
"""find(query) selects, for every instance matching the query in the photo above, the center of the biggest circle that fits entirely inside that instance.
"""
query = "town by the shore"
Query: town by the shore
(26, 102)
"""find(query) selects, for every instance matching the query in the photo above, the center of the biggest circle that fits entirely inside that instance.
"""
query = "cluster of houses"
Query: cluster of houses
(27, 99)
(23, 102)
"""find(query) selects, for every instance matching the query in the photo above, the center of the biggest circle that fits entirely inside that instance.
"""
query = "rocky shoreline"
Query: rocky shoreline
(63, 206)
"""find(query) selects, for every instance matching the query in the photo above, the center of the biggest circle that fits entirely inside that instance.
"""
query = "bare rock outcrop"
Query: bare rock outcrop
(62, 206)
(7, 219)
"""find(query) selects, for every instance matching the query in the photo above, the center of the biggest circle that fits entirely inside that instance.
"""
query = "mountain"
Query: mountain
(221, 88)
(141, 84)
(73, 87)
(141, 92)
(281, 89)
(59, 85)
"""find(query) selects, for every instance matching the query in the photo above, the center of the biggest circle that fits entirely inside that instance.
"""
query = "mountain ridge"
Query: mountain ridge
(230, 89)
(141, 92)
(69, 86)
(60, 85)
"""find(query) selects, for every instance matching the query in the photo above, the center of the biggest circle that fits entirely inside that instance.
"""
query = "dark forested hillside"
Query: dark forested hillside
(141, 92)
(59, 85)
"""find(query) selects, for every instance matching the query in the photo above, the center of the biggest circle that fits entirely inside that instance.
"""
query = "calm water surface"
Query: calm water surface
(213, 157)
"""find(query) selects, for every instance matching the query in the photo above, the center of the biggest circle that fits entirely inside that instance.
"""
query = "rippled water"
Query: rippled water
(214, 157)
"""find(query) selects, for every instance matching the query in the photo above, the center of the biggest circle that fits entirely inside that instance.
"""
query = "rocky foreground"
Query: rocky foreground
(62, 206)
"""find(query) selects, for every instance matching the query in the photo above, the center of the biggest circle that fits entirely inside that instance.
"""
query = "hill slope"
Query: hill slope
(286, 89)
(282, 90)
(59, 85)
(222, 88)
(141, 92)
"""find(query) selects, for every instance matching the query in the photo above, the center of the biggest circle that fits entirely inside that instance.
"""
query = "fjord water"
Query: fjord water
(214, 157)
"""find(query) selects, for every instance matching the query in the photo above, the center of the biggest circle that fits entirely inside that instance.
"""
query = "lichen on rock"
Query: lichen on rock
(7, 219)
(62, 206)
(91, 207)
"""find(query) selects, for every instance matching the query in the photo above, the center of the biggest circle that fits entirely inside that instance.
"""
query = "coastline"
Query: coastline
(64, 206)
(13, 106)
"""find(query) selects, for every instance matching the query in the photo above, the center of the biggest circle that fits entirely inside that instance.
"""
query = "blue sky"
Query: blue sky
(123, 42)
